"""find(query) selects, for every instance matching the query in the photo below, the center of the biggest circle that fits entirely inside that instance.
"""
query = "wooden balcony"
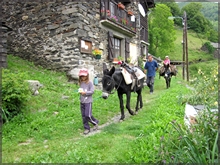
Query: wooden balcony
(116, 18)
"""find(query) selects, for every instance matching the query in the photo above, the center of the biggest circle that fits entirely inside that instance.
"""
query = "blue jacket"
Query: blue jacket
(151, 68)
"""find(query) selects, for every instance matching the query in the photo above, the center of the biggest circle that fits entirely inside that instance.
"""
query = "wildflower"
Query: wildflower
(216, 103)
(180, 137)
(174, 121)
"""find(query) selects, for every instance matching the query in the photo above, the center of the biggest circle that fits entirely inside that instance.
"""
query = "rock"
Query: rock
(25, 17)
(73, 73)
(34, 85)
(65, 97)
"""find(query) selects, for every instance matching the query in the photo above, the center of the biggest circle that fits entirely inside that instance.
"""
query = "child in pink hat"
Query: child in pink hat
(86, 91)
(166, 61)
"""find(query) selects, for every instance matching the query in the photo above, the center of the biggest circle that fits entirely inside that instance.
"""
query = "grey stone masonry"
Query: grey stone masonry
(48, 32)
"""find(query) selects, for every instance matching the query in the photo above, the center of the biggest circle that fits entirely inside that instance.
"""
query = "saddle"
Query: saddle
(130, 75)
(172, 68)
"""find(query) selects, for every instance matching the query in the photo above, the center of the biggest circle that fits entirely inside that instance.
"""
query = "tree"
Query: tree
(196, 20)
(175, 10)
(198, 23)
(191, 9)
(161, 31)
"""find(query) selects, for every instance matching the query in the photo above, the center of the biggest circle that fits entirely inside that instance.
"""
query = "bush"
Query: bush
(205, 89)
(15, 93)
(210, 48)
(181, 145)
(199, 143)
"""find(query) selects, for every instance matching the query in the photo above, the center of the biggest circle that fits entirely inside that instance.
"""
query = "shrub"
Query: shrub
(180, 145)
(205, 89)
(210, 48)
(15, 93)
(199, 144)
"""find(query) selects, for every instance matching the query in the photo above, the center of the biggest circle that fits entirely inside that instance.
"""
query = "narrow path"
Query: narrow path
(115, 119)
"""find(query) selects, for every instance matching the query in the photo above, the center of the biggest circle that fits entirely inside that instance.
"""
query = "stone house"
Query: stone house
(61, 34)
(4, 29)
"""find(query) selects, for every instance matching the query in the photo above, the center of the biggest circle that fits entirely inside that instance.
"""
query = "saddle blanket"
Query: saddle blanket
(127, 76)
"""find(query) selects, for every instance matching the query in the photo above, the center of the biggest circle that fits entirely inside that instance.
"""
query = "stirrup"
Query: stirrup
(138, 83)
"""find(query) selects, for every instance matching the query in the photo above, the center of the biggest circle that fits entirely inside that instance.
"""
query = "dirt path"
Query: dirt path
(115, 119)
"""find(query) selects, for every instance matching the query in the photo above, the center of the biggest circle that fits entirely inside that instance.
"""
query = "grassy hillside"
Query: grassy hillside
(195, 55)
(50, 129)
(194, 45)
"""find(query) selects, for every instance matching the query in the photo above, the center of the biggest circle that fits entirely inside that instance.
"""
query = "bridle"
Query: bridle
(113, 84)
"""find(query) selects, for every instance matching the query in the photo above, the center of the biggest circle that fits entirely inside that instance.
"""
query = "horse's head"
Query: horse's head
(108, 83)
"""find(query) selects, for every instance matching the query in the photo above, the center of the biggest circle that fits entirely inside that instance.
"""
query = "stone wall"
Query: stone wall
(3, 47)
(48, 32)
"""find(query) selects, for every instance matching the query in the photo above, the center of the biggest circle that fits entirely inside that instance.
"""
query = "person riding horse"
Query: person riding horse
(166, 64)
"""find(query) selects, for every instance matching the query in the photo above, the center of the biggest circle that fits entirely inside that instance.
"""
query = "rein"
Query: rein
(114, 84)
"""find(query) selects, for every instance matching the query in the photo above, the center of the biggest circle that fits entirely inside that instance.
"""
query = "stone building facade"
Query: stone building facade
(4, 29)
(60, 34)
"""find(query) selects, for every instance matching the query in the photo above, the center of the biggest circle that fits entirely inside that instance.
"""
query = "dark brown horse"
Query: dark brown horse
(167, 71)
(113, 78)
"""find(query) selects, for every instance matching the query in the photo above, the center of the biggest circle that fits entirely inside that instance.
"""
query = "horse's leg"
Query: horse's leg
(139, 99)
(120, 96)
(167, 82)
(128, 98)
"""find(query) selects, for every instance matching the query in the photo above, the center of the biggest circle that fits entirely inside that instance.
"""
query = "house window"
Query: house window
(144, 50)
(117, 47)
(112, 8)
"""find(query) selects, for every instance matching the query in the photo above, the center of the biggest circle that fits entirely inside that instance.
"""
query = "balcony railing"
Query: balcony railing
(109, 10)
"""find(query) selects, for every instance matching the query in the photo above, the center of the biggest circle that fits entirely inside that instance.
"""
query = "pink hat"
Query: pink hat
(83, 72)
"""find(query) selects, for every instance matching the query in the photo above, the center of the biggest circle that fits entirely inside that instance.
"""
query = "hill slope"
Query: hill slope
(50, 129)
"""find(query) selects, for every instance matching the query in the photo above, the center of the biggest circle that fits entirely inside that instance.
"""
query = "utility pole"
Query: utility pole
(186, 44)
(184, 41)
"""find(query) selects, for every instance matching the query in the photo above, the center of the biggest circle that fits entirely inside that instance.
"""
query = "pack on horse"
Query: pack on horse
(167, 71)
(114, 78)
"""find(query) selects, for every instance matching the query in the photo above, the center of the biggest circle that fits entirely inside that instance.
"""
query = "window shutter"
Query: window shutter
(127, 49)
(142, 50)
(110, 46)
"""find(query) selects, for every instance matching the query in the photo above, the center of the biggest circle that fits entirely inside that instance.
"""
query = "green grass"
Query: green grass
(57, 138)
(52, 126)
(194, 45)
(206, 67)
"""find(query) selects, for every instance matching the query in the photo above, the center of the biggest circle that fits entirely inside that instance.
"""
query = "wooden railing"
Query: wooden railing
(109, 10)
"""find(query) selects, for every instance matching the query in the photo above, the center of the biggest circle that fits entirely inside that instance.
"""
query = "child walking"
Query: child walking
(86, 91)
